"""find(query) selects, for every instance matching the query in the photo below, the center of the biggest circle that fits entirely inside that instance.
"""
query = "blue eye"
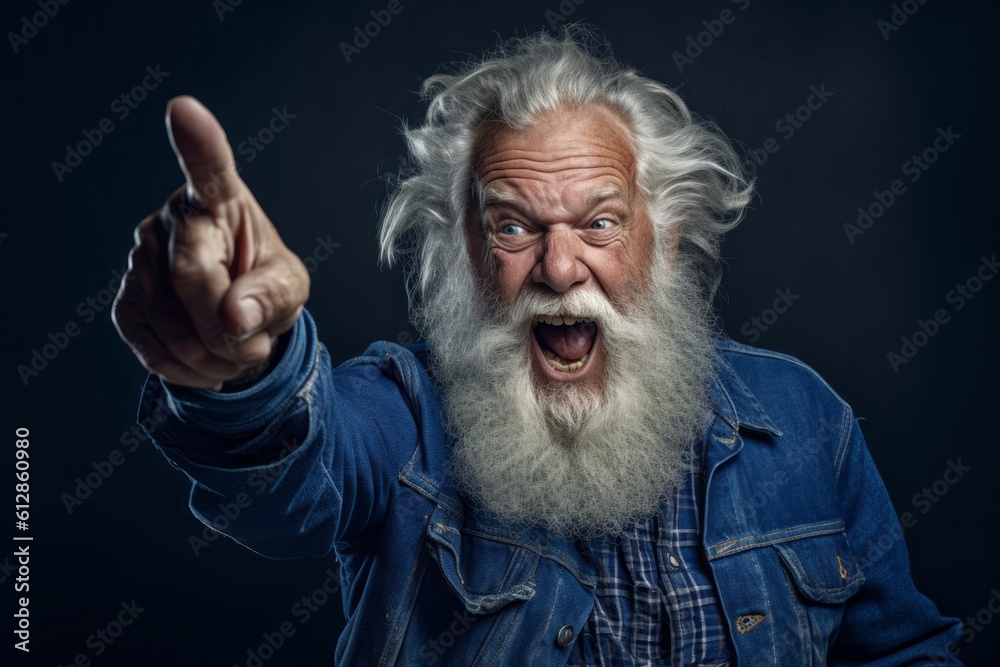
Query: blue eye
(603, 223)
(510, 230)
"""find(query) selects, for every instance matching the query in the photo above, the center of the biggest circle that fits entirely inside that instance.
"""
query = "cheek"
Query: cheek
(642, 267)
(510, 271)
(613, 265)
(624, 269)
(640, 260)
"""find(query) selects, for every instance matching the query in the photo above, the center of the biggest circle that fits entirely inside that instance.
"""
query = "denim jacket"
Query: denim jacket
(805, 548)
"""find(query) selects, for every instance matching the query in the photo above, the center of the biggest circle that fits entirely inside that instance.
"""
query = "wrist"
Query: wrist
(255, 374)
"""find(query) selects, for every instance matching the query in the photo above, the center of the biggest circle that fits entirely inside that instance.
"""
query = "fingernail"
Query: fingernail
(253, 316)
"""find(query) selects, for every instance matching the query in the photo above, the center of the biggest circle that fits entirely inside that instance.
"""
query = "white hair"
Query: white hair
(690, 177)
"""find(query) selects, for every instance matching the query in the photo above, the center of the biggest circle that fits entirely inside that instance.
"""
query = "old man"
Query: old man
(575, 467)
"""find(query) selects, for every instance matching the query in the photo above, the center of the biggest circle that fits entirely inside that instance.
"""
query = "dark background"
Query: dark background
(324, 177)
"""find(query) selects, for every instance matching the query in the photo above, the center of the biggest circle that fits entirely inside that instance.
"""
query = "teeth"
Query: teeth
(559, 320)
(560, 364)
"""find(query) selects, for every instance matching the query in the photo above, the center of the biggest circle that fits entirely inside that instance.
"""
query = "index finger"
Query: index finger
(203, 152)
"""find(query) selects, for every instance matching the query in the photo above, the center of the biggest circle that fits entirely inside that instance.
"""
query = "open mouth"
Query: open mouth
(565, 340)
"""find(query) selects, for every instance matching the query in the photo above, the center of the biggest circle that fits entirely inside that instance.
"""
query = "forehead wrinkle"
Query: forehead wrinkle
(549, 168)
(570, 148)
(567, 167)
(513, 185)
(563, 178)
(552, 161)
(530, 196)
(569, 129)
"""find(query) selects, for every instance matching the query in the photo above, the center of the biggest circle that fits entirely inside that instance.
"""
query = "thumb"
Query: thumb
(267, 298)
(202, 150)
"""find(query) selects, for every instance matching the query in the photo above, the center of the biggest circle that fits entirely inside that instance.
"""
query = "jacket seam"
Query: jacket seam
(786, 538)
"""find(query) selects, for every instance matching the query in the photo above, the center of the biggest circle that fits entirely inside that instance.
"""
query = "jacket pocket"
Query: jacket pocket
(822, 575)
(485, 572)
(785, 591)
(470, 608)
(822, 567)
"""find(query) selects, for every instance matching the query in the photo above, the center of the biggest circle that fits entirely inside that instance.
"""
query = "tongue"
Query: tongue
(569, 342)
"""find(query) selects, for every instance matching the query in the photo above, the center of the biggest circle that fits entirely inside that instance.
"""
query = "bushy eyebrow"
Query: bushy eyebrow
(606, 193)
(492, 197)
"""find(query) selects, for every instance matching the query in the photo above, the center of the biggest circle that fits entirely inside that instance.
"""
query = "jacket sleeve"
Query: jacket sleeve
(303, 461)
(888, 622)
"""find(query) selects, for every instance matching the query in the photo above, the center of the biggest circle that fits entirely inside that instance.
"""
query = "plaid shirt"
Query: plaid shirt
(656, 603)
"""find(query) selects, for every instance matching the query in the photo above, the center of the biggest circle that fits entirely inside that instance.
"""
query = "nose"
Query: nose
(561, 265)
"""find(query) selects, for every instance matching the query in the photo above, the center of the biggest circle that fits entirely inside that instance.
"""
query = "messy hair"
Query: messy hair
(692, 180)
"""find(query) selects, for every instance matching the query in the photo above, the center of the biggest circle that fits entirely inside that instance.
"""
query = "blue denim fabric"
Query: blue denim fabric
(800, 534)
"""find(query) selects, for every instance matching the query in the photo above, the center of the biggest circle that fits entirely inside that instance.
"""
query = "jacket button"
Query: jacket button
(565, 637)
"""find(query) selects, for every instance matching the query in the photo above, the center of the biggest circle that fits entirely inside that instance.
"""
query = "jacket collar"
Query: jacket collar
(733, 401)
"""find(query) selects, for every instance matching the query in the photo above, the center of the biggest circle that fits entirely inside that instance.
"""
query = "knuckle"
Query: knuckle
(188, 267)
(182, 199)
(286, 290)
(271, 303)
(168, 216)
(141, 265)
(121, 313)
(127, 310)
(160, 366)
(141, 231)
(153, 359)
(146, 238)
(305, 282)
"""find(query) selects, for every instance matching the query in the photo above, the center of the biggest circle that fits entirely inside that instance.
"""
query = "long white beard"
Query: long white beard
(578, 461)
